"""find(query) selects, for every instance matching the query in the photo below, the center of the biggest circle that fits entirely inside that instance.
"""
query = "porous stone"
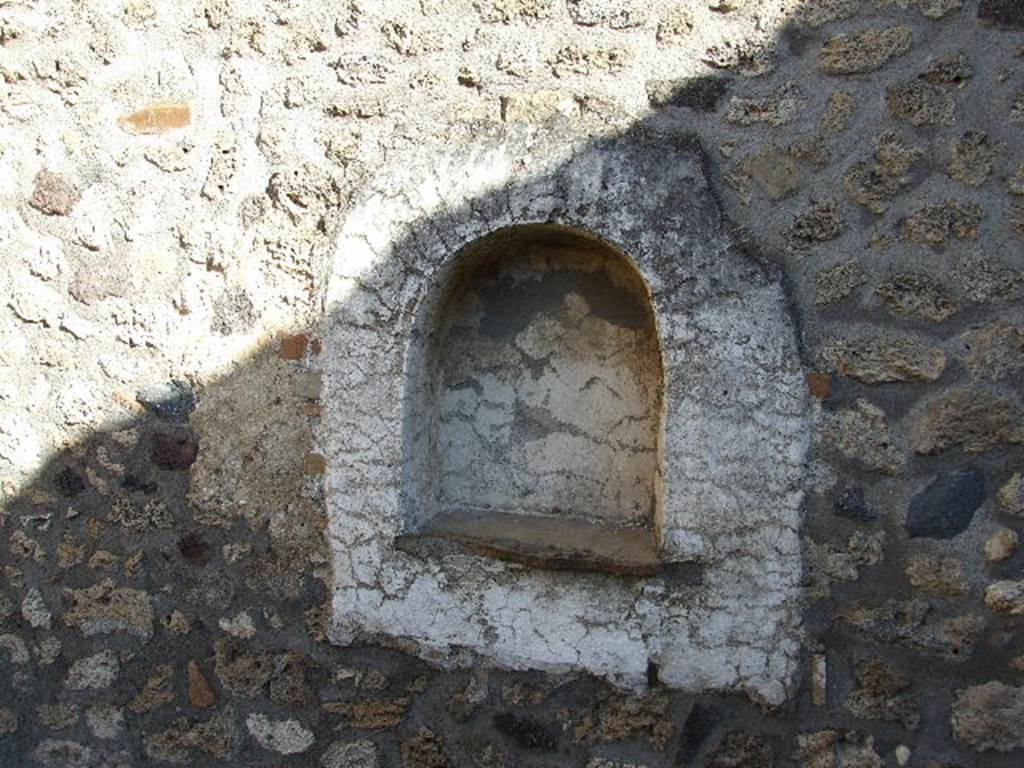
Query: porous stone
(907, 293)
(873, 184)
(974, 420)
(240, 670)
(1006, 596)
(952, 69)
(837, 282)
(947, 505)
(913, 624)
(971, 157)
(351, 754)
(995, 351)
(941, 575)
(157, 690)
(675, 25)
(34, 610)
(989, 716)
(424, 750)
(820, 222)
(862, 433)
(935, 224)
(1001, 545)
(864, 51)
(53, 194)
(615, 14)
(780, 108)
(286, 737)
(8, 721)
(106, 608)
(1011, 496)
(938, 9)
(878, 359)
(105, 721)
(921, 103)
(883, 693)
(825, 11)
(738, 749)
(97, 671)
(836, 749)
(216, 736)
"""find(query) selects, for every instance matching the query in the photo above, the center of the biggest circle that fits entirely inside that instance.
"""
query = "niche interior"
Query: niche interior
(535, 432)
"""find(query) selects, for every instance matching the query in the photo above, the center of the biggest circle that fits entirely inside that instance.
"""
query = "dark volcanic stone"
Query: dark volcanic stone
(173, 452)
(173, 400)
(1005, 13)
(851, 504)
(947, 506)
(194, 549)
(69, 483)
(525, 731)
(699, 726)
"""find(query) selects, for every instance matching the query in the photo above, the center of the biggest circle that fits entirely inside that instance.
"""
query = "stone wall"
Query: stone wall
(172, 178)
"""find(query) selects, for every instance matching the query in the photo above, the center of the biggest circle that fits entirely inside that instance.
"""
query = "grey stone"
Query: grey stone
(851, 503)
(351, 754)
(97, 671)
(1011, 496)
(286, 737)
(55, 753)
(947, 505)
(989, 717)
(8, 721)
(173, 400)
(913, 624)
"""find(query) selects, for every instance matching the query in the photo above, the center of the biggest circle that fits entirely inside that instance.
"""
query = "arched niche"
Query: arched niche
(535, 430)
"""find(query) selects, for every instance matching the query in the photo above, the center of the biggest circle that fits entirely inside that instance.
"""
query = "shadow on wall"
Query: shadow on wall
(166, 581)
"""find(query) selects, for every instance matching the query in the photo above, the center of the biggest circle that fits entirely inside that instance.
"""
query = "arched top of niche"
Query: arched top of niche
(534, 405)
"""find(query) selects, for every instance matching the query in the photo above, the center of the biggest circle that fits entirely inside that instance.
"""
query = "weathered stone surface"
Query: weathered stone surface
(824, 11)
(850, 503)
(911, 294)
(289, 685)
(861, 433)
(8, 721)
(947, 505)
(105, 608)
(971, 157)
(286, 737)
(98, 671)
(995, 351)
(952, 69)
(873, 184)
(173, 400)
(834, 749)
(883, 693)
(877, 360)
(57, 753)
(738, 749)
(240, 670)
(921, 103)
(157, 690)
(838, 282)
(371, 714)
(935, 224)
(424, 750)
(53, 194)
(216, 736)
(911, 624)
(974, 420)
(1001, 545)
(616, 14)
(864, 51)
(1011, 496)
(820, 222)
(1006, 596)
(351, 754)
(989, 717)
(780, 108)
(937, 574)
(774, 172)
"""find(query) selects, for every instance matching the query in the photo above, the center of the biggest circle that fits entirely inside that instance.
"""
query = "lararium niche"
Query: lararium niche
(536, 435)
(565, 418)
